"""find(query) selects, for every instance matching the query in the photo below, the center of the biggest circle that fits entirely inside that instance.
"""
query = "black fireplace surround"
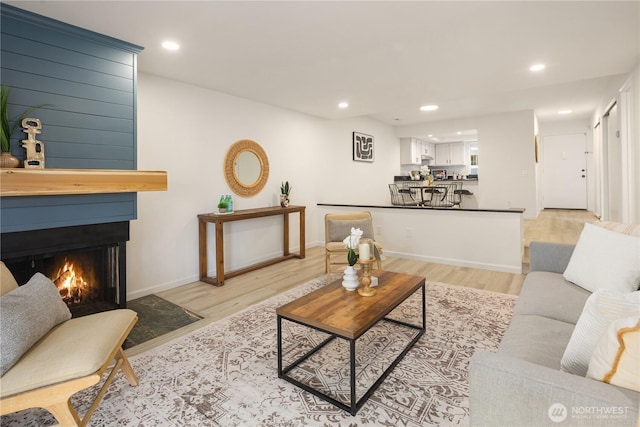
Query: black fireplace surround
(98, 252)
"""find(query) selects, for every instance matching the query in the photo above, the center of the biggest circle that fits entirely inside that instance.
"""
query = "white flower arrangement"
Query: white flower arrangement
(352, 241)
(426, 174)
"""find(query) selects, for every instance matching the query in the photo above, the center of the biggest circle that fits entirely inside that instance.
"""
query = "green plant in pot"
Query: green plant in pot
(285, 190)
(8, 129)
(222, 207)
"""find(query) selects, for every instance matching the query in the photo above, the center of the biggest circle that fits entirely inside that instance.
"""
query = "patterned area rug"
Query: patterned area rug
(225, 374)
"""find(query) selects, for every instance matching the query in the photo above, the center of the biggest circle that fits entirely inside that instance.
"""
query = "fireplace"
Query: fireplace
(87, 263)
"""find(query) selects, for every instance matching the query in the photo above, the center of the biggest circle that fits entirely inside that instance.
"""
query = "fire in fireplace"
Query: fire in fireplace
(72, 286)
(86, 277)
(86, 263)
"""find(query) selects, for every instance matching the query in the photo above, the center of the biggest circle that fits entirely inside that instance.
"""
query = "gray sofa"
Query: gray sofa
(521, 384)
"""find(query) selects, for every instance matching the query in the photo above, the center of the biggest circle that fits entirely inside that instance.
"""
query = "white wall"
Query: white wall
(186, 130)
(537, 167)
(338, 179)
(634, 162)
(486, 240)
(506, 159)
(631, 175)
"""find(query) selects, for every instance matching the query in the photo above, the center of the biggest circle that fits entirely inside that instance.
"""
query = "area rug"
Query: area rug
(156, 317)
(225, 374)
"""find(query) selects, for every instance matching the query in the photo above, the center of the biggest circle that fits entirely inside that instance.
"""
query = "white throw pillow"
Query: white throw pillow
(616, 359)
(602, 308)
(605, 259)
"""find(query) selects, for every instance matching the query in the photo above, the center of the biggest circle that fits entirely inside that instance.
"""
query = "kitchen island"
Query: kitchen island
(490, 239)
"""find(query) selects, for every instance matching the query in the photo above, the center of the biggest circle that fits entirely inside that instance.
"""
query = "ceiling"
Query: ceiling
(385, 59)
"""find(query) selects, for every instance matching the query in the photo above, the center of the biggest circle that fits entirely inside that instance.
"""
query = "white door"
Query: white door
(564, 176)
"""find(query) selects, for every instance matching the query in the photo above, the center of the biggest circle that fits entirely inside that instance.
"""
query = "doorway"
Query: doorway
(564, 171)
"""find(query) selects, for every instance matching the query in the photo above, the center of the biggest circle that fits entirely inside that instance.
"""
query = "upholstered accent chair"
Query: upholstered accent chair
(337, 226)
(71, 356)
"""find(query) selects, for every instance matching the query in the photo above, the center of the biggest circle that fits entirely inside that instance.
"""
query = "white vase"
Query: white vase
(350, 279)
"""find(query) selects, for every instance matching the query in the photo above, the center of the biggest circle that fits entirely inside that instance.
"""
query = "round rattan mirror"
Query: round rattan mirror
(246, 168)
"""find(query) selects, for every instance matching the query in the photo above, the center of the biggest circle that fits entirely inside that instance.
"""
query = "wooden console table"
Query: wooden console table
(220, 219)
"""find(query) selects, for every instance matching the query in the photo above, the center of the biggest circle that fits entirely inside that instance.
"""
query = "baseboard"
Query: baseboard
(161, 287)
(457, 262)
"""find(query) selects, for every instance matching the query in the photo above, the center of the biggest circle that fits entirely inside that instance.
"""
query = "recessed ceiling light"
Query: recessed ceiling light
(169, 45)
(343, 105)
(537, 67)
(428, 108)
(565, 112)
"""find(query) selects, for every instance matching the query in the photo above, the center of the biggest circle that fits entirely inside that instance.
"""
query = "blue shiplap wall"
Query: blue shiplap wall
(90, 81)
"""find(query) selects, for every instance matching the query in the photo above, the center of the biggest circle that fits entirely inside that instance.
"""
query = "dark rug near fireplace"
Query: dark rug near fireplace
(156, 316)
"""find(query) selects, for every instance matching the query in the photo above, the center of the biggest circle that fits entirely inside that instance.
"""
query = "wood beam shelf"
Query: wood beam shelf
(46, 182)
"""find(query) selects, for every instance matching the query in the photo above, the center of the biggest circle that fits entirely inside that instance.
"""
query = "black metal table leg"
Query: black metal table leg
(279, 347)
(352, 362)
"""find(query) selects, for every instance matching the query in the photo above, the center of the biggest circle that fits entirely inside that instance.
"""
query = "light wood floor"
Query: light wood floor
(213, 303)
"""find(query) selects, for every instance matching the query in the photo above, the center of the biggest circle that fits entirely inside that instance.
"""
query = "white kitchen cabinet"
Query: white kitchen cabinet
(454, 153)
(442, 154)
(427, 149)
(457, 154)
(410, 151)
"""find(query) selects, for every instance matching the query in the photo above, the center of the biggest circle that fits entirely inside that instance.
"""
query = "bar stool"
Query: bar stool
(435, 195)
(458, 193)
(402, 196)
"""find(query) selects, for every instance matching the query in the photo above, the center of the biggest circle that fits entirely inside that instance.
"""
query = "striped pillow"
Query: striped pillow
(602, 308)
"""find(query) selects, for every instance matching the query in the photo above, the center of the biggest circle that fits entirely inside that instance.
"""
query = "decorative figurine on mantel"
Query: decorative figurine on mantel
(34, 157)
(7, 160)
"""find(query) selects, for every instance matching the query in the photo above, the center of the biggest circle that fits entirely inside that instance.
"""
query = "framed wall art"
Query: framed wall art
(363, 148)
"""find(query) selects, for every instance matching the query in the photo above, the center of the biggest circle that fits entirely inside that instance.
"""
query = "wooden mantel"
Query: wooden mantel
(47, 182)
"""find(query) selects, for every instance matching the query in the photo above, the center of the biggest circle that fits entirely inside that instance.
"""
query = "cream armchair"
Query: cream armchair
(337, 226)
(71, 356)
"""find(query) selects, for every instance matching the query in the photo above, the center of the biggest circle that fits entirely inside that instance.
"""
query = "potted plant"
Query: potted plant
(6, 159)
(285, 190)
(222, 207)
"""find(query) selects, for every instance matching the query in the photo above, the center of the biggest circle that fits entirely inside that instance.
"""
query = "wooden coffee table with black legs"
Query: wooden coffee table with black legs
(347, 315)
